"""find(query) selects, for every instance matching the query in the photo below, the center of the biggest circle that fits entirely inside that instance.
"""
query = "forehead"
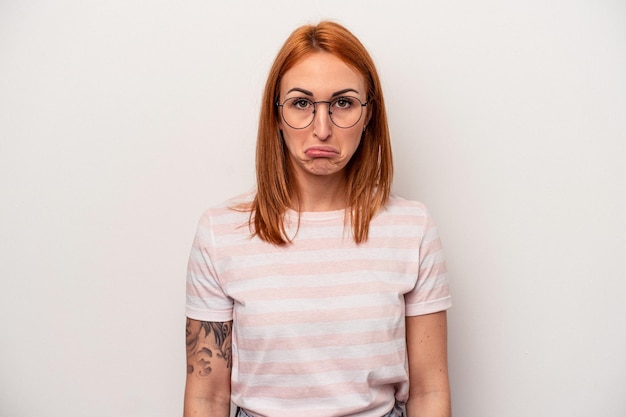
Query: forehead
(322, 74)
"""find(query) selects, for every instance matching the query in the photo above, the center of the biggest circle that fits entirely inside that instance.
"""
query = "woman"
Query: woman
(320, 294)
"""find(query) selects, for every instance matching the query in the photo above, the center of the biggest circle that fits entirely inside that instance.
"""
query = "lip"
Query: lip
(321, 152)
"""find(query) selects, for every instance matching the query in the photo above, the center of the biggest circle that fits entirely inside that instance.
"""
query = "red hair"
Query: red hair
(370, 170)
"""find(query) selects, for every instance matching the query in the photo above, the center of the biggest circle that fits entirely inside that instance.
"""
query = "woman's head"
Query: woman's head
(368, 173)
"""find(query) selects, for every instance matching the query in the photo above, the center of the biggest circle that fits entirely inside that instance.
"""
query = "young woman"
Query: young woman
(319, 294)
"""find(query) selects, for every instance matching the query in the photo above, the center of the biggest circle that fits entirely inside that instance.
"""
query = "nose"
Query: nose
(321, 121)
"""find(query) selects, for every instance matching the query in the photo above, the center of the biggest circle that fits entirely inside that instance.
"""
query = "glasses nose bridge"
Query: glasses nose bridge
(315, 103)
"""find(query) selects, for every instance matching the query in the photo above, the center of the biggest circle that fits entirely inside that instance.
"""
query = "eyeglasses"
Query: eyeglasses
(299, 112)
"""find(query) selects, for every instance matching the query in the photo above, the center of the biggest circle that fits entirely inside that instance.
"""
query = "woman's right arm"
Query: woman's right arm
(209, 363)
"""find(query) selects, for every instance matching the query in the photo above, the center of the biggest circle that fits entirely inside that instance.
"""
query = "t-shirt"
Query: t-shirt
(319, 324)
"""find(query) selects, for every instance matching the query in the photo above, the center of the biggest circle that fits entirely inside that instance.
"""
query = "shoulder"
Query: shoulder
(234, 211)
(398, 205)
(403, 213)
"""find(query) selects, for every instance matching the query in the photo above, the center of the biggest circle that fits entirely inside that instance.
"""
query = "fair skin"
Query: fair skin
(319, 154)
(426, 338)
(209, 362)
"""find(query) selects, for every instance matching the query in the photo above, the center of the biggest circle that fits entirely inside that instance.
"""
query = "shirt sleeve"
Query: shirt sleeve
(432, 291)
(206, 300)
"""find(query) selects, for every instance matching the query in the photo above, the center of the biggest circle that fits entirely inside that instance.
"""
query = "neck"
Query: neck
(322, 193)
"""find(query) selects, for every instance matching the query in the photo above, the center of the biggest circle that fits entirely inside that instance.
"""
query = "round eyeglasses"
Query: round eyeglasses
(299, 112)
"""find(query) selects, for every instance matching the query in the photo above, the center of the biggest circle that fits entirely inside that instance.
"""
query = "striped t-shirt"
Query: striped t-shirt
(318, 325)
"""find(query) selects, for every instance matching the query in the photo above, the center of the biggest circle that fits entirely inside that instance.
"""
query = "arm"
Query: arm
(209, 362)
(429, 394)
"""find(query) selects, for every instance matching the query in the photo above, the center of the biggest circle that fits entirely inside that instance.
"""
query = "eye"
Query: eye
(343, 102)
(301, 103)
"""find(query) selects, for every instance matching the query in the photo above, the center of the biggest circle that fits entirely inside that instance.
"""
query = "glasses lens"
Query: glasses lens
(345, 111)
(298, 112)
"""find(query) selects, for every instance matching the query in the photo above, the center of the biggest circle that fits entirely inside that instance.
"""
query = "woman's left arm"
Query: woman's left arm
(427, 346)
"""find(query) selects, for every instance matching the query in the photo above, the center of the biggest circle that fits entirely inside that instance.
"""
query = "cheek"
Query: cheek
(291, 138)
(354, 138)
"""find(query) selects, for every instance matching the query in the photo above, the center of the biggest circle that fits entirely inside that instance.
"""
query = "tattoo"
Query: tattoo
(202, 349)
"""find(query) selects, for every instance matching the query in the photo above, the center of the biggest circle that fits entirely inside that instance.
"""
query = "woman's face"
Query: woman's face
(322, 148)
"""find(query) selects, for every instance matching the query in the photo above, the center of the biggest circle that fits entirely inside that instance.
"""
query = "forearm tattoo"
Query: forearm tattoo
(207, 342)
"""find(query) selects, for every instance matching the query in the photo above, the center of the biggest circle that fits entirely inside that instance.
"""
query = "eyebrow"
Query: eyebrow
(344, 91)
(335, 94)
(301, 90)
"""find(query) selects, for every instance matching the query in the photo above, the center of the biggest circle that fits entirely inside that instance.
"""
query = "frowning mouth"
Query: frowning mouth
(321, 152)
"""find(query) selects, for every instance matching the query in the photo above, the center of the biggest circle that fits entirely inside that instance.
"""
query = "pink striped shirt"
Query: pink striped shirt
(319, 324)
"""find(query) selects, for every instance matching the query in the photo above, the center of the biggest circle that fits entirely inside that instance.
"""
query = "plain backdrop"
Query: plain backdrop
(121, 121)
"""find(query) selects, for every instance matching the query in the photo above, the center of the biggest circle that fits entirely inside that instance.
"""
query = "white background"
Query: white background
(121, 121)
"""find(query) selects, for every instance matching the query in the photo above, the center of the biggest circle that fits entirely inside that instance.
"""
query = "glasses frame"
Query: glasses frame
(315, 103)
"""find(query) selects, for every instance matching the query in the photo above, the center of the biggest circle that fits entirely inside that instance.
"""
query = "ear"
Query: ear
(368, 113)
(279, 119)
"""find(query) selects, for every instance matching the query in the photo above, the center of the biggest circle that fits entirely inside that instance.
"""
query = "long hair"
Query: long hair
(370, 170)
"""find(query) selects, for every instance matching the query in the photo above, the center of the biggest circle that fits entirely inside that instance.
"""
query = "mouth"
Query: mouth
(321, 152)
